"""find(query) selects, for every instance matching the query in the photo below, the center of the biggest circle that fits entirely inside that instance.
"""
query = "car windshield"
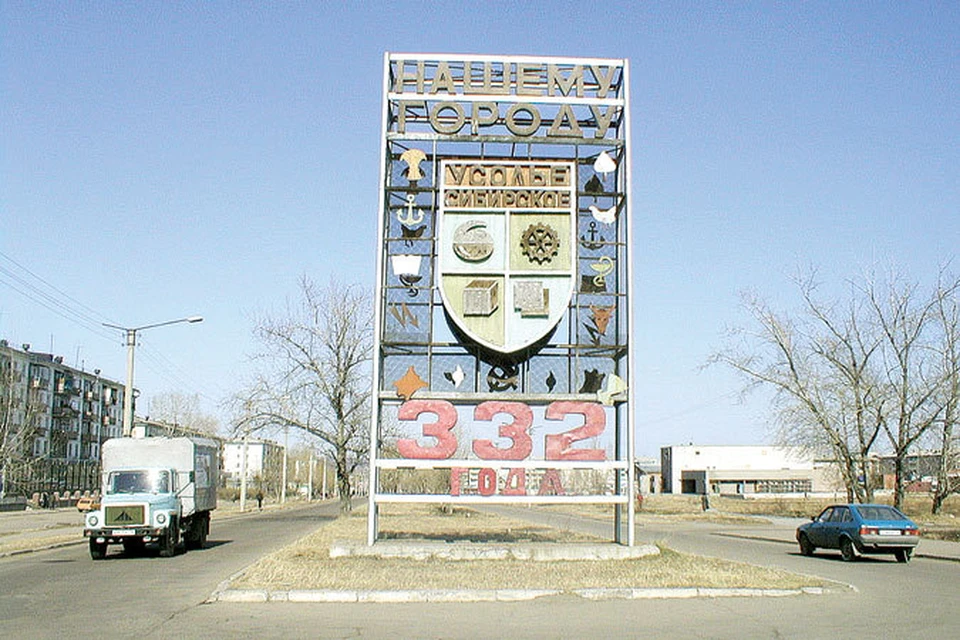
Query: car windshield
(153, 481)
(880, 513)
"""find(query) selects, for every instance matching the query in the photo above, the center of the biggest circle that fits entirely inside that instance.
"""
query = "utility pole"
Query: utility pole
(310, 476)
(131, 342)
(243, 475)
(286, 445)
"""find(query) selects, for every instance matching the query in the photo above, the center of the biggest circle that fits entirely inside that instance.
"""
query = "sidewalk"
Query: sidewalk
(22, 531)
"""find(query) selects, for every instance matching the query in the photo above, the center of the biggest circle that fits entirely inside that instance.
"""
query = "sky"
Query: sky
(163, 160)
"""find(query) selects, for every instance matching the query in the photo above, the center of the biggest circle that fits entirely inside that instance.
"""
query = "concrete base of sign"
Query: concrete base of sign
(538, 552)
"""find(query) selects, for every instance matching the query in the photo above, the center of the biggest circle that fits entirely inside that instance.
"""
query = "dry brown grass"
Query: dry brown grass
(307, 565)
(665, 512)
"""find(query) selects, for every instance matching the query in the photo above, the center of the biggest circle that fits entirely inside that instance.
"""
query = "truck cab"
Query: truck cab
(139, 506)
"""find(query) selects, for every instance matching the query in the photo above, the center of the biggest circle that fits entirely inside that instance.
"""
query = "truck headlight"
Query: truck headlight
(92, 520)
(161, 518)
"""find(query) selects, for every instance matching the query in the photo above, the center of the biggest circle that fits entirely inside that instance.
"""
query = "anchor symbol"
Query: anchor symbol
(410, 218)
(594, 242)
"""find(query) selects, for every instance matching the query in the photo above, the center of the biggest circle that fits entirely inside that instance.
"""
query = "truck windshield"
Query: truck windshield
(152, 481)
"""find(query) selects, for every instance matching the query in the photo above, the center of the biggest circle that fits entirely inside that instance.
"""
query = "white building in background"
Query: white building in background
(649, 480)
(264, 461)
(741, 470)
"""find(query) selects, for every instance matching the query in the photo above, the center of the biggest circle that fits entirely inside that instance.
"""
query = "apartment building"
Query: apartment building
(264, 462)
(72, 411)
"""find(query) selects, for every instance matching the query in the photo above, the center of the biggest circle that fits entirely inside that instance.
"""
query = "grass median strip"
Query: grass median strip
(306, 564)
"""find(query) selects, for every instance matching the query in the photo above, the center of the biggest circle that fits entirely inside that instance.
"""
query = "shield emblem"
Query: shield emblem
(507, 251)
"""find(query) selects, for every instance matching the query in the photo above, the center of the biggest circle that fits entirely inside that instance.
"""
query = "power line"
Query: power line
(173, 373)
(45, 300)
(40, 291)
(78, 309)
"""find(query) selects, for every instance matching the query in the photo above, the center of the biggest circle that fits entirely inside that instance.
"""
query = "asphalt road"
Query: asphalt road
(61, 592)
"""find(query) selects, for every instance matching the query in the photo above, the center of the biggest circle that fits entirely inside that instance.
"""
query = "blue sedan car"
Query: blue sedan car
(860, 529)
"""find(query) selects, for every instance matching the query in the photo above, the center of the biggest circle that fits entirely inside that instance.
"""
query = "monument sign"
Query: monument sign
(502, 362)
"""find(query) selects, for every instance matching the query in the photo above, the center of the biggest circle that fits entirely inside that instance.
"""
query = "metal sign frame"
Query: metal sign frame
(502, 353)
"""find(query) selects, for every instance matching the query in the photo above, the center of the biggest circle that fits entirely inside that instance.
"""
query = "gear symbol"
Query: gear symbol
(540, 243)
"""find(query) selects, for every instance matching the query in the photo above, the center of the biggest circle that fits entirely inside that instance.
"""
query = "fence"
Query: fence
(49, 476)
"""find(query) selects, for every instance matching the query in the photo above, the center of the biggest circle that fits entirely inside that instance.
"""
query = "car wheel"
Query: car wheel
(847, 552)
(806, 547)
(903, 555)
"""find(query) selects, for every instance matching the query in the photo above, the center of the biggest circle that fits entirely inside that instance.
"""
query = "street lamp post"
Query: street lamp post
(131, 341)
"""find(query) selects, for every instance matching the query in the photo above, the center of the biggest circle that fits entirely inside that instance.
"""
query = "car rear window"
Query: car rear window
(880, 513)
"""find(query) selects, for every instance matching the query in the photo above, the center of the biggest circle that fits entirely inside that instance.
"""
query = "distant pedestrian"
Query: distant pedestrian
(705, 502)
(260, 500)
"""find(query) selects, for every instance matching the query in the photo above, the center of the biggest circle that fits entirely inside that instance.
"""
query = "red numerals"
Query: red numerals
(446, 443)
(556, 446)
(517, 431)
(594, 421)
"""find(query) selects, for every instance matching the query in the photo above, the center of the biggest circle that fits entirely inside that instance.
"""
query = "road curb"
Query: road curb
(20, 552)
(329, 596)
(934, 556)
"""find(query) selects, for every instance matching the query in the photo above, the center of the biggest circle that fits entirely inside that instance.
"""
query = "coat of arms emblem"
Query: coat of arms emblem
(507, 254)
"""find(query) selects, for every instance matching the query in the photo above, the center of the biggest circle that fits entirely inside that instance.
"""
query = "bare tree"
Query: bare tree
(947, 316)
(883, 363)
(314, 375)
(20, 411)
(819, 367)
(912, 373)
(183, 410)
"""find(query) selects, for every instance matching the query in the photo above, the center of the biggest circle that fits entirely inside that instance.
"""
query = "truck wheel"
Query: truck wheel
(198, 533)
(98, 551)
(193, 537)
(168, 546)
(190, 536)
(205, 529)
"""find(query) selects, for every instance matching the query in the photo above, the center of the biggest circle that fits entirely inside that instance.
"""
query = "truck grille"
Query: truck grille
(124, 516)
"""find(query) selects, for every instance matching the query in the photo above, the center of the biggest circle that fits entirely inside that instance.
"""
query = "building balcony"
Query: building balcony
(65, 413)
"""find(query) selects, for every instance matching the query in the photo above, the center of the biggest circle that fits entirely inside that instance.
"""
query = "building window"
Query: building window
(784, 486)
